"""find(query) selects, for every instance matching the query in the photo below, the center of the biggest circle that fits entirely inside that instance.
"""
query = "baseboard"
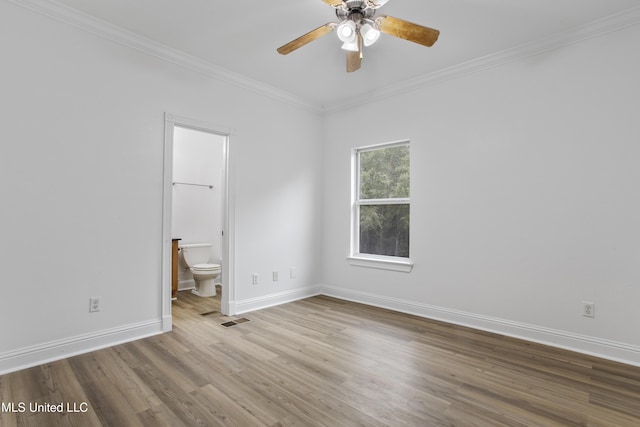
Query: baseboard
(184, 285)
(167, 323)
(187, 285)
(28, 357)
(55, 350)
(611, 350)
(251, 304)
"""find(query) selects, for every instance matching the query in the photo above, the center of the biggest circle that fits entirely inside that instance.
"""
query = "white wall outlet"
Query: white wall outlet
(275, 276)
(254, 278)
(94, 304)
(588, 309)
(292, 273)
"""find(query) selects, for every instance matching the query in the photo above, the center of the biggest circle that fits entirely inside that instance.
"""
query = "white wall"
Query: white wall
(525, 197)
(81, 172)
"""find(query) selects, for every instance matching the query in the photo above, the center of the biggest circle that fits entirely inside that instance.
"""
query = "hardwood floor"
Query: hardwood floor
(324, 362)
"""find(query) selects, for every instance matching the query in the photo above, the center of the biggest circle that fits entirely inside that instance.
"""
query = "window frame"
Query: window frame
(356, 258)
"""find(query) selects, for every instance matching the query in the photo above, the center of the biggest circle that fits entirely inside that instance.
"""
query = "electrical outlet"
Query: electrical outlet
(292, 273)
(275, 276)
(254, 278)
(588, 309)
(94, 304)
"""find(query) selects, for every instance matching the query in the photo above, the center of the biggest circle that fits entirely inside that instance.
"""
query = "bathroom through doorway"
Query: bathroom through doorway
(196, 208)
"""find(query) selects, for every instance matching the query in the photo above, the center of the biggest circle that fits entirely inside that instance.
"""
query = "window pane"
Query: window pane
(384, 173)
(384, 230)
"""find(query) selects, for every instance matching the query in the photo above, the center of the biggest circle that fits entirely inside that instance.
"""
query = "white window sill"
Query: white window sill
(385, 263)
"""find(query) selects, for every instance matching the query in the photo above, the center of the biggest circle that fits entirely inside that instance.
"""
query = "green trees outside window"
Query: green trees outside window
(382, 201)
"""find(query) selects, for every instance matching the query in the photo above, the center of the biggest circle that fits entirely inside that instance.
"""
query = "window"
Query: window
(381, 207)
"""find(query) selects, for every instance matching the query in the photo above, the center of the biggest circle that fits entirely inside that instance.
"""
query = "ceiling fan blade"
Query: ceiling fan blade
(354, 58)
(307, 38)
(407, 30)
(353, 61)
(334, 3)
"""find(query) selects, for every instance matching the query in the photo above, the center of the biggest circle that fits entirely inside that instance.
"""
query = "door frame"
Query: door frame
(227, 306)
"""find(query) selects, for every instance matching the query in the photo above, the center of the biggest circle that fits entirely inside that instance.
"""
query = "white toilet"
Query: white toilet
(197, 257)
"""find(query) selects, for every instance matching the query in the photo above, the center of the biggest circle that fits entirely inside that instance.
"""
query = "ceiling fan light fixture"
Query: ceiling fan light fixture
(347, 31)
(350, 46)
(370, 34)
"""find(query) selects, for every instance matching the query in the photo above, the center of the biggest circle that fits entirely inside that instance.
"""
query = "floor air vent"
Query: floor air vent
(234, 322)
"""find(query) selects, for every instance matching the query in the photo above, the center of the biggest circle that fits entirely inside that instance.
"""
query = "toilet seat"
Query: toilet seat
(205, 267)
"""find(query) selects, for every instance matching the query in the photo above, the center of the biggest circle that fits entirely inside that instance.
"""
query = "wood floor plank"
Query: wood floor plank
(291, 406)
(104, 396)
(176, 399)
(224, 410)
(63, 386)
(135, 391)
(326, 362)
(180, 372)
(264, 408)
(323, 398)
(159, 416)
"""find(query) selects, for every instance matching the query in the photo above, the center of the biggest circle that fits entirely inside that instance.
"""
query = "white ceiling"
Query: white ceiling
(242, 36)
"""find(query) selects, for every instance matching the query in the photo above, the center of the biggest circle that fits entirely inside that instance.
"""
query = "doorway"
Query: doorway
(208, 180)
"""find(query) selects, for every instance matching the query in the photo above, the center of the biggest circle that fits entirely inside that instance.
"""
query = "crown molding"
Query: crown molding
(584, 32)
(98, 27)
(77, 19)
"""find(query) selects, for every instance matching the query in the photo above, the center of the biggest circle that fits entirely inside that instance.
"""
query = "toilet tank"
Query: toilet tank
(196, 253)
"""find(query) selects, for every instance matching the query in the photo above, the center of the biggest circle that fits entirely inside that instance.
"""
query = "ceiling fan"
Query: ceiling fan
(357, 27)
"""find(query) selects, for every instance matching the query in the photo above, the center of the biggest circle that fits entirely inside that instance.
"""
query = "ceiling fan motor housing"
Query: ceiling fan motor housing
(355, 10)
